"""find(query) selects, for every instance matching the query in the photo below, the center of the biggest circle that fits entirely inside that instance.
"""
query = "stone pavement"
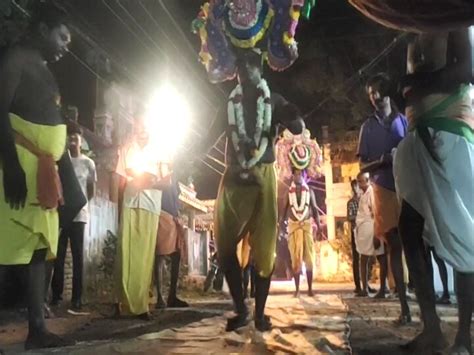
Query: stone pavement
(316, 325)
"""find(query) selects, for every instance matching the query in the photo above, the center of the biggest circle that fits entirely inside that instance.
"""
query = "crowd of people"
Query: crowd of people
(412, 198)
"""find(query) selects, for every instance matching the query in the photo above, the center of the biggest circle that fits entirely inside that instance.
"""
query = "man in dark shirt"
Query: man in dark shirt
(379, 136)
(170, 237)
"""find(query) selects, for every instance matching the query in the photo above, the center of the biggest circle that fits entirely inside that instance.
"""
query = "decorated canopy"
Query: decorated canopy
(418, 15)
(227, 26)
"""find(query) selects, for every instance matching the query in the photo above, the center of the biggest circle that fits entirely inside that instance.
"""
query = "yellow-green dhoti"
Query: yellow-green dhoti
(301, 244)
(135, 257)
(252, 209)
(31, 228)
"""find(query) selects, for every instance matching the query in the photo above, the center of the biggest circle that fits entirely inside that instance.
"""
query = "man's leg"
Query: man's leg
(411, 228)
(57, 283)
(233, 276)
(296, 277)
(383, 264)
(77, 251)
(38, 335)
(246, 280)
(465, 295)
(173, 300)
(252, 281)
(262, 288)
(355, 263)
(364, 269)
(396, 250)
(159, 265)
(443, 273)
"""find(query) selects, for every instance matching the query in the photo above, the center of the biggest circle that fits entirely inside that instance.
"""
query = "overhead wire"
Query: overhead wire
(183, 35)
(170, 61)
(347, 83)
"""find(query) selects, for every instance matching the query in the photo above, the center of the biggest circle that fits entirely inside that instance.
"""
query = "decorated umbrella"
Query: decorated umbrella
(227, 26)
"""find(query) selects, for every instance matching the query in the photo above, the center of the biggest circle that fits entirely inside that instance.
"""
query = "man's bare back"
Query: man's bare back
(437, 64)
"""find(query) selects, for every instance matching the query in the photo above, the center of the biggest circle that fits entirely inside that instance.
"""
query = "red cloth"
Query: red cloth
(418, 15)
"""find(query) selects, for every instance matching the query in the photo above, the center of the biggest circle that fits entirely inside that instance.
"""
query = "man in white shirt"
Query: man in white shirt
(85, 170)
(144, 179)
(364, 236)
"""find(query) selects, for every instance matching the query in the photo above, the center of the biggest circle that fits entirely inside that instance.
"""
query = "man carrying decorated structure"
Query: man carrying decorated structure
(247, 200)
(434, 164)
(435, 172)
(301, 209)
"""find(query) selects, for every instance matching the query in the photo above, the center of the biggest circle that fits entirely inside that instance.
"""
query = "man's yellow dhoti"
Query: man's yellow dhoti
(32, 227)
(301, 245)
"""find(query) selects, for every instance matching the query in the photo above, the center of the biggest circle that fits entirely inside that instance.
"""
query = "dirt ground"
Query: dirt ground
(372, 330)
(372, 325)
(101, 324)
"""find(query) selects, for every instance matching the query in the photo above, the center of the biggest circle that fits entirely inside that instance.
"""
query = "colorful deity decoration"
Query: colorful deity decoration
(227, 26)
(299, 152)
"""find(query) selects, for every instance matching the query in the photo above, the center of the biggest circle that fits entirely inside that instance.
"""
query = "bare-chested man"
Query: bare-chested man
(434, 171)
(32, 138)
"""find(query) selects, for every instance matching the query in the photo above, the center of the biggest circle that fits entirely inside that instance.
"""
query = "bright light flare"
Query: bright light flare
(168, 119)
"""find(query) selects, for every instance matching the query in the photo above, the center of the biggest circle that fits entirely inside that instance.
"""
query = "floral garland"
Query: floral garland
(239, 137)
(300, 210)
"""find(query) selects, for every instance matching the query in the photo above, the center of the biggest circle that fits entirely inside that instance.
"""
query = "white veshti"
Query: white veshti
(235, 114)
(300, 210)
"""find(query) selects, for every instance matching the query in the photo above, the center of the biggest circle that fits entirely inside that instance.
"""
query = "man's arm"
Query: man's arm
(14, 180)
(287, 114)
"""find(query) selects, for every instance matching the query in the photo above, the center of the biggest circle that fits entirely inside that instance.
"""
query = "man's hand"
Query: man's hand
(14, 185)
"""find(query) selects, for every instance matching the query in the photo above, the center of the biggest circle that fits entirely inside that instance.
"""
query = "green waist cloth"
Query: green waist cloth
(31, 228)
(456, 127)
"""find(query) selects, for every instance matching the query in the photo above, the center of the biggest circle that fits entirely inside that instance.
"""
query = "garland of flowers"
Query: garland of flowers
(300, 210)
(239, 137)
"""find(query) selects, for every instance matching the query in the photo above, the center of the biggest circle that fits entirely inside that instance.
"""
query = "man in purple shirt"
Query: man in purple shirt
(379, 136)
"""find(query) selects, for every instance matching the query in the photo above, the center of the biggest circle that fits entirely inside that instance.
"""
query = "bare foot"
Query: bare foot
(427, 342)
(310, 293)
(145, 316)
(239, 321)
(43, 339)
(403, 319)
(264, 324)
(296, 294)
(380, 295)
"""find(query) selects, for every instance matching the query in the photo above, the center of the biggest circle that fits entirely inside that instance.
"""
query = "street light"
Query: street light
(167, 119)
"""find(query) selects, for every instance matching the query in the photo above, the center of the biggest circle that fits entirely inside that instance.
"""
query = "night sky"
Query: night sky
(145, 45)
